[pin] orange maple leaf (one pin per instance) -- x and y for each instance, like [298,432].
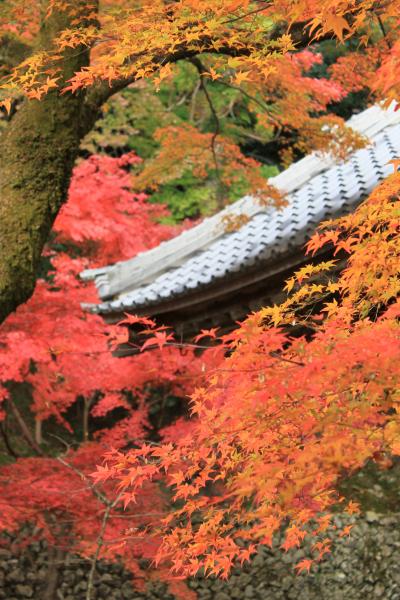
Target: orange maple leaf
[337,24]
[395,162]
[304,565]
[212,333]
[346,531]
[352,508]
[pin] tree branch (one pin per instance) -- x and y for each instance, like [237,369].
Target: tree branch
[252,12]
[100,544]
[6,440]
[202,72]
[24,428]
[103,90]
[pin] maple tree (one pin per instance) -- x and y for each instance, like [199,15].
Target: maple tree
[68,57]
[287,415]
[82,400]
[264,447]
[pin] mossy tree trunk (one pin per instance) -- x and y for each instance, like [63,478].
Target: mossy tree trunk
[37,154]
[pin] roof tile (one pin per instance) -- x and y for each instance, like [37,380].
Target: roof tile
[268,234]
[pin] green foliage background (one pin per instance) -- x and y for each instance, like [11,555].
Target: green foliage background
[131,119]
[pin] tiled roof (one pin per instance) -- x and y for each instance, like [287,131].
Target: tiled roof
[206,254]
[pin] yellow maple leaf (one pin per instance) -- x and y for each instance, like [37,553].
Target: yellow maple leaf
[240,77]
[331,307]
[275,314]
[290,284]
[337,24]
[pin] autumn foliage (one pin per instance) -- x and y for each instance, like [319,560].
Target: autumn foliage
[286,415]
[297,397]
[82,400]
[260,49]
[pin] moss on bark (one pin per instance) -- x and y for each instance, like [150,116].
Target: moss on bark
[37,153]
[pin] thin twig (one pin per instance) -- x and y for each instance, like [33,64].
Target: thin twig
[100,544]
[202,72]
[193,100]
[253,12]
[109,505]
[253,99]
[99,495]
[384,32]
[288,360]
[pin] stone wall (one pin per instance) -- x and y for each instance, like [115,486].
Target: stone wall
[365,566]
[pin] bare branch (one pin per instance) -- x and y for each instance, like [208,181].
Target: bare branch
[6,440]
[24,428]
[100,544]
[253,12]
[202,72]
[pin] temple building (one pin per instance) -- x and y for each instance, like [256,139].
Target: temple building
[208,276]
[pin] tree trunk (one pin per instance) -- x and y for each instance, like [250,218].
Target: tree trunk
[37,154]
[38,431]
